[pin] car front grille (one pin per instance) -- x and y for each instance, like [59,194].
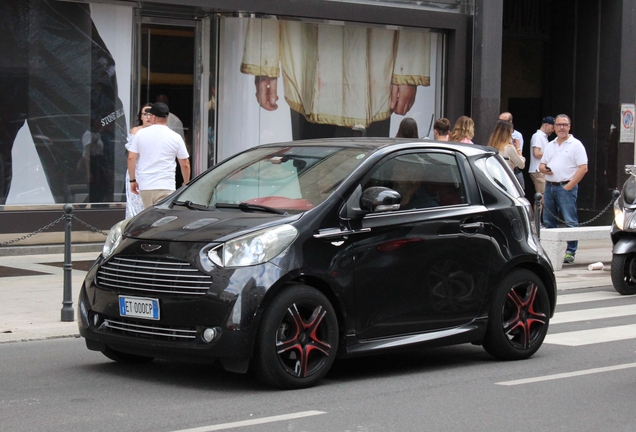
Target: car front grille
[152,276]
[149,330]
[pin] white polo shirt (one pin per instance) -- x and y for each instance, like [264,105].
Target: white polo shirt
[158,147]
[564,159]
[540,140]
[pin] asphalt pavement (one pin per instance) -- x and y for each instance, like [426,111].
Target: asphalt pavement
[32,286]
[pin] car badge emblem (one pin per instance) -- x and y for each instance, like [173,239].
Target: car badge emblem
[150,247]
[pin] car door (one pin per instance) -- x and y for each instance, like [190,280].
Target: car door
[425,266]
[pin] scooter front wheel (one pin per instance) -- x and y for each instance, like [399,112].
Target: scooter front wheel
[624,273]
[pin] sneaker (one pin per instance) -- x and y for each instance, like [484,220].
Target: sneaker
[569,258]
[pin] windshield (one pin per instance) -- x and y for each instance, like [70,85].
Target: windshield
[285,178]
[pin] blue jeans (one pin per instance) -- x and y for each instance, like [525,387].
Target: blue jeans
[555,200]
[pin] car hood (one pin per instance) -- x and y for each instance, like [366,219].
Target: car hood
[196,226]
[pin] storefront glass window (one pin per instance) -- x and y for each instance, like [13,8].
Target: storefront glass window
[64,98]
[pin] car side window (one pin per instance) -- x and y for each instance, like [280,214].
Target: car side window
[424,179]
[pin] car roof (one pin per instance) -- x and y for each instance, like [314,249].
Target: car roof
[376,143]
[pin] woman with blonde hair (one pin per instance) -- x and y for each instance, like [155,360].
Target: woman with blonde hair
[501,139]
[463,131]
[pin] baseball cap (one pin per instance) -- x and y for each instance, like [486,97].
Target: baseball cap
[160,109]
[548,120]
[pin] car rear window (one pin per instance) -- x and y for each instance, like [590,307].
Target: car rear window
[500,175]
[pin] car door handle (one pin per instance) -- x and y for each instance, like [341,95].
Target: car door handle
[332,233]
[472,226]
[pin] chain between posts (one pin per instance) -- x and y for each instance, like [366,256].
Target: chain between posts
[24,237]
[538,198]
[67,313]
[44,228]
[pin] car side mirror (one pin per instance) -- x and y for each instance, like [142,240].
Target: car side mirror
[380,199]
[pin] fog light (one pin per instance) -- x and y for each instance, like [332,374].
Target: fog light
[95,320]
[209,334]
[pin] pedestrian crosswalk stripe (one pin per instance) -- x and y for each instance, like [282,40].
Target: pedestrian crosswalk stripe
[592,336]
[593,314]
[568,374]
[564,299]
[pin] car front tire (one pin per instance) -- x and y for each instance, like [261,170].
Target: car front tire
[519,317]
[297,340]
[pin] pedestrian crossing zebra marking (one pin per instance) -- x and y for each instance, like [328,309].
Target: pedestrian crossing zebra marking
[592,336]
[593,314]
[564,299]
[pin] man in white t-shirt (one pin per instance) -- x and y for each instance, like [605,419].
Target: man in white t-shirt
[537,143]
[156,147]
[564,164]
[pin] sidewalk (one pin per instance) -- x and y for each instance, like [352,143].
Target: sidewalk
[32,288]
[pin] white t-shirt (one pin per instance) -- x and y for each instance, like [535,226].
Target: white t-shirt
[158,147]
[539,140]
[564,159]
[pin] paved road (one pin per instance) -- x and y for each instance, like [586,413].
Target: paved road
[576,382]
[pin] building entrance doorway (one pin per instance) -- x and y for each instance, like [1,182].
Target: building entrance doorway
[167,64]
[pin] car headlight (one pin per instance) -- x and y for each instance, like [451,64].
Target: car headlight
[619,215]
[255,248]
[114,238]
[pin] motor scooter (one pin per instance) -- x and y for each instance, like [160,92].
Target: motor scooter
[624,236]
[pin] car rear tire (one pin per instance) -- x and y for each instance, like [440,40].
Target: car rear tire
[624,273]
[297,339]
[121,357]
[519,317]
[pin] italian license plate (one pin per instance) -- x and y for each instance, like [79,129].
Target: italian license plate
[139,307]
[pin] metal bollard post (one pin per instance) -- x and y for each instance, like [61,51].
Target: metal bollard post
[537,213]
[67,302]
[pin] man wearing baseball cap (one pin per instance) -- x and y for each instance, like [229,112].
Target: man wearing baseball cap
[156,147]
[537,143]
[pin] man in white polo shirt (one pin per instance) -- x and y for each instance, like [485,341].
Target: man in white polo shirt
[157,147]
[564,164]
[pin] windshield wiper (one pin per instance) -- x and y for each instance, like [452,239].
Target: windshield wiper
[193,206]
[246,207]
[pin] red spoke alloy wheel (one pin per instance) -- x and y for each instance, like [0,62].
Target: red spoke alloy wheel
[519,317]
[522,323]
[297,339]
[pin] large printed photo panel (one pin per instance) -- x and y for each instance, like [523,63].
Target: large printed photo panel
[291,80]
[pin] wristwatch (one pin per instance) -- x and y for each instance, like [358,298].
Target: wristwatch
[133,180]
